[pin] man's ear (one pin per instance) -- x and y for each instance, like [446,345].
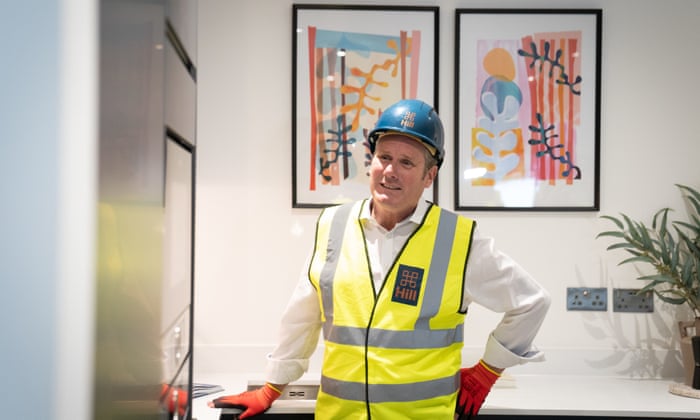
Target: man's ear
[430,176]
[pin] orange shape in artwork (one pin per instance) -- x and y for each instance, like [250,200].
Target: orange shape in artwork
[499,63]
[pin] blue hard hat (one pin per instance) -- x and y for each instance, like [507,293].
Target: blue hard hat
[416,119]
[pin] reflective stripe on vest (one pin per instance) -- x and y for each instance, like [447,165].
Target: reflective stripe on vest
[389,392]
[430,331]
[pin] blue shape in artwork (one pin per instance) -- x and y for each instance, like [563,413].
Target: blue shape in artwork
[355,42]
[501,89]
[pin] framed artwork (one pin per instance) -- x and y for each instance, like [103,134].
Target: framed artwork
[527,109]
[349,62]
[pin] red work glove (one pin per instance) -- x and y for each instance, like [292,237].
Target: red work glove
[253,402]
[168,396]
[476,382]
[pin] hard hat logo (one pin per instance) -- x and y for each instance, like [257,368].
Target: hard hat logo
[409,119]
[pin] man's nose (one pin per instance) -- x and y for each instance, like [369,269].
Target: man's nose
[389,169]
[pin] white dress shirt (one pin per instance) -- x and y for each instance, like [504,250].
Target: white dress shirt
[492,280]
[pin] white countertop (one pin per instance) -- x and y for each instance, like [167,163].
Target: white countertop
[522,395]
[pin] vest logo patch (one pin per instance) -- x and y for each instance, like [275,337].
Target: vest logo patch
[407,286]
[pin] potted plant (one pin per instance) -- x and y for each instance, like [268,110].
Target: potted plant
[672,249]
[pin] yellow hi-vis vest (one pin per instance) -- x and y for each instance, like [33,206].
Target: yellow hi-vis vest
[394,354]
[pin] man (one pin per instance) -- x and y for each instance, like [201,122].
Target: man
[389,283]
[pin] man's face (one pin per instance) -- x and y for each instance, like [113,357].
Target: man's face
[397,174]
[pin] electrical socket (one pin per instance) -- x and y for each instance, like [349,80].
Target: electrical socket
[629,300]
[586,299]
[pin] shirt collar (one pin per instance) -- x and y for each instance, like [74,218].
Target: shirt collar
[416,217]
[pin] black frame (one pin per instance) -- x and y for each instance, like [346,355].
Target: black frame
[493,20]
[301,113]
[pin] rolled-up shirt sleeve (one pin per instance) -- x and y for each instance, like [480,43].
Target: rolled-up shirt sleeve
[496,282]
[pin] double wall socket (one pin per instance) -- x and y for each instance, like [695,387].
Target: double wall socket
[629,300]
[586,299]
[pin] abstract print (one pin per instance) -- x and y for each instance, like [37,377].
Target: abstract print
[528,109]
[352,77]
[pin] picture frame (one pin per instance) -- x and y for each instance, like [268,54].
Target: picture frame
[527,109]
[349,62]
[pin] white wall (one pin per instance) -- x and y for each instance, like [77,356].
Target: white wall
[250,243]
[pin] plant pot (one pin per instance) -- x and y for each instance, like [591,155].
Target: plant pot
[689,362]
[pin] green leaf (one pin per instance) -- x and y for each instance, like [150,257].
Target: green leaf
[691,195]
[619,245]
[689,243]
[687,273]
[638,258]
[614,220]
[693,228]
[611,233]
[635,252]
[632,228]
[664,219]
[658,278]
[671,300]
[696,220]
[674,257]
[646,239]
[651,285]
